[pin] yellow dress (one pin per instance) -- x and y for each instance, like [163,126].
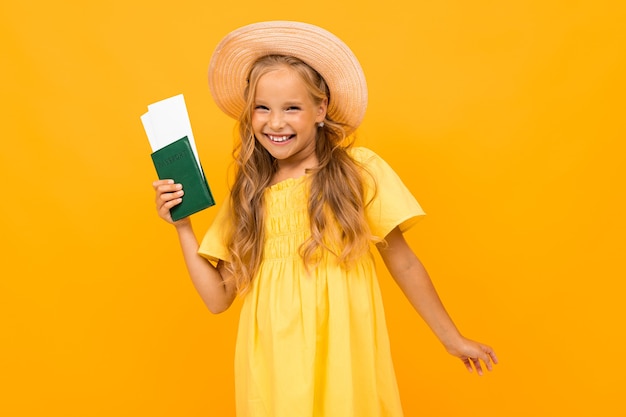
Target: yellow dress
[315,344]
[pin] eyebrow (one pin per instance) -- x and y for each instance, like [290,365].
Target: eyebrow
[286,103]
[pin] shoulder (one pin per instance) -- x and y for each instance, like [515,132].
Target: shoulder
[369,160]
[364,156]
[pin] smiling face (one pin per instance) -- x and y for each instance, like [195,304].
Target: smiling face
[285,119]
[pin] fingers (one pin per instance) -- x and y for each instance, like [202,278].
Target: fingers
[492,355]
[474,363]
[484,355]
[468,364]
[479,369]
[161,186]
[488,357]
[168,195]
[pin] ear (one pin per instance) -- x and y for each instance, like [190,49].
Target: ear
[321,111]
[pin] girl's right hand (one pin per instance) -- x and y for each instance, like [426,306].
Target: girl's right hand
[168,195]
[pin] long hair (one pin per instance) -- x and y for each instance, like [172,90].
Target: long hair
[336,204]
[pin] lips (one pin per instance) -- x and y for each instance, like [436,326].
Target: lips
[279,138]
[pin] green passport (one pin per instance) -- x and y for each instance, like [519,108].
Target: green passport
[176,161]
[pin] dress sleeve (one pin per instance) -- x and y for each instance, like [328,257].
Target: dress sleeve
[213,245]
[391,203]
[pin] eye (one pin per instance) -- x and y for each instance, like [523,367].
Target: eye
[293,108]
[261,108]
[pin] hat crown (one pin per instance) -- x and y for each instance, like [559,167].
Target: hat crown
[235,55]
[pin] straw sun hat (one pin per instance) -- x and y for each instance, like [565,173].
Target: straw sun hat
[327,54]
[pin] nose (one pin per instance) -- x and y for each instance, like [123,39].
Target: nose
[276,121]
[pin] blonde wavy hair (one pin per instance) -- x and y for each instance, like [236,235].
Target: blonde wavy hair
[336,204]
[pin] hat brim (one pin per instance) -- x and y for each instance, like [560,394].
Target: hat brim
[326,53]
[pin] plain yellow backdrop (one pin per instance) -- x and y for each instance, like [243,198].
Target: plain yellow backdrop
[505,118]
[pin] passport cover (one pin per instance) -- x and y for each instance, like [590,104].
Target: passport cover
[176,161]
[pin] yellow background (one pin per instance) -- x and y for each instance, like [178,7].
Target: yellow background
[505,118]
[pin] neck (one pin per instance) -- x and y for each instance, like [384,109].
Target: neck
[294,169]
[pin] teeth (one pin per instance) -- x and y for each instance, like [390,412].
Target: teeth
[278,138]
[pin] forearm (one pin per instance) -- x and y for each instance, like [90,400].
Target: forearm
[217,294]
[412,278]
[419,289]
[421,293]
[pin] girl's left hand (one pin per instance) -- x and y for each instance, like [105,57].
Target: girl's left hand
[473,353]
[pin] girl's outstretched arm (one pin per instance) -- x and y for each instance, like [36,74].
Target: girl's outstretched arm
[413,280]
[212,283]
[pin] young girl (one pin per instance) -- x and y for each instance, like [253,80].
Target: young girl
[294,238]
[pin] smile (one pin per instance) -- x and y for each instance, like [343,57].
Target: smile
[279,139]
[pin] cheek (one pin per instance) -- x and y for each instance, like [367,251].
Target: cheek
[304,121]
[256,121]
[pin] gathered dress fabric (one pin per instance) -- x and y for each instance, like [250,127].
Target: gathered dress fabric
[313,342]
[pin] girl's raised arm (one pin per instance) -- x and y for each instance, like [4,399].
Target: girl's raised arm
[413,280]
[211,283]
